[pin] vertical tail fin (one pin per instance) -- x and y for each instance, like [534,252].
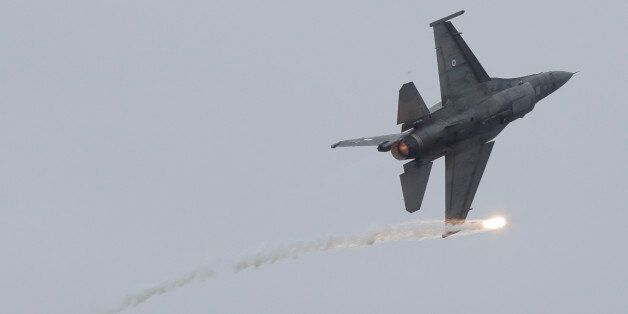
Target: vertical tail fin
[411,105]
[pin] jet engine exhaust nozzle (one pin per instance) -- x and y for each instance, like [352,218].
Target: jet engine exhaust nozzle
[400,150]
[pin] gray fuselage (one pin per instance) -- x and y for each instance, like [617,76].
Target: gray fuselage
[479,114]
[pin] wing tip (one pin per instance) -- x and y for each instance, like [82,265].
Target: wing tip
[447,18]
[449,233]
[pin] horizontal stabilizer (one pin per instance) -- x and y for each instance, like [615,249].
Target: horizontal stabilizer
[371,141]
[413,183]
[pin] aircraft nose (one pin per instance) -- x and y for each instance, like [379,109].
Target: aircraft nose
[561,77]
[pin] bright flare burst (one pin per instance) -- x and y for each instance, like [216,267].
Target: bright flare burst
[494,223]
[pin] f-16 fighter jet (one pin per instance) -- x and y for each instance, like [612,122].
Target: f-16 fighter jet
[474,109]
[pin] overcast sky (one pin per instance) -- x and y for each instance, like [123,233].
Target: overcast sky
[141,139]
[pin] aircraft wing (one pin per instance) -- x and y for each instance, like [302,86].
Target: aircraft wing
[463,171]
[458,68]
[371,141]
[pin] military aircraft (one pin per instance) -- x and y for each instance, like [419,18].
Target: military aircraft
[473,110]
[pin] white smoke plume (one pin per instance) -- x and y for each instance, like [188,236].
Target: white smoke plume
[416,230]
[131,300]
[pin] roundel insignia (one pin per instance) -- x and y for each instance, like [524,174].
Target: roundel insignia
[453,62]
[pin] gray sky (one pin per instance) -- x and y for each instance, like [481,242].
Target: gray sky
[142,139]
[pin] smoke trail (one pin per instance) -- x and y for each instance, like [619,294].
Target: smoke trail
[417,230]
[131,300]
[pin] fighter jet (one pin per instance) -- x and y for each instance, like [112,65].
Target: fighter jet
[473,110]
